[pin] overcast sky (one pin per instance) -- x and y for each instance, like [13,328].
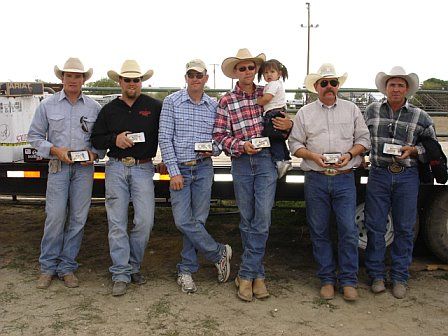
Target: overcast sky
[358,37]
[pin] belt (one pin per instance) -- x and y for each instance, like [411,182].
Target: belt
[395,168]
[193,162]
[130,161]
[334,172]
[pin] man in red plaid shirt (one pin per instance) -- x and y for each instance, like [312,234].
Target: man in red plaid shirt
[239,120]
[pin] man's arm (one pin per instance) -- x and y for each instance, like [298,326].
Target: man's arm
[102,137]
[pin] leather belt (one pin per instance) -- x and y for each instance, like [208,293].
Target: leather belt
[334,172]
[395,168]
[130,161]
[193,162]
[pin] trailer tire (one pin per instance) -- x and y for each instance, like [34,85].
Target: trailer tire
[436,227]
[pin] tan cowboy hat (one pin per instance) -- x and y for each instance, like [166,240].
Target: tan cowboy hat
[73,65]
[130,69]
[397,71]
[229,63]
[325,71]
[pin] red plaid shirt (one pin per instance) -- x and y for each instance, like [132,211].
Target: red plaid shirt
[238,119]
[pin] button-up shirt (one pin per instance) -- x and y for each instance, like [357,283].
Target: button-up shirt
[184,122]
[57,122]
[238,119]
[326,129]
[403,127]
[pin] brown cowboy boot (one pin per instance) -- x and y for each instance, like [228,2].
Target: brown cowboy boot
[259,289]
[244,289]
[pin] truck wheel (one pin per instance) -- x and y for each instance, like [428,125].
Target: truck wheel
[436,227]
[362,231]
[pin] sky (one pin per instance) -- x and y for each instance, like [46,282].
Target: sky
[358,37]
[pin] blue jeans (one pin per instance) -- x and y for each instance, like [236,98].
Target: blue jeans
[254,183]
[191,207]
[322,195]
[122,185]
[399,192]
[68,197]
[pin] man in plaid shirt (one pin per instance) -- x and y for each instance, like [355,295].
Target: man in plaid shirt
[239,119]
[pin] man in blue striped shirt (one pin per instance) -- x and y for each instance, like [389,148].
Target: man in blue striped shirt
[185,140]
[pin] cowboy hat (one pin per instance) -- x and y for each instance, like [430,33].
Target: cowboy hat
[325,71]
[130,69]
[397,71]
[73,65]
[228,65]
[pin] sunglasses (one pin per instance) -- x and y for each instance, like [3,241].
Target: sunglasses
[84,126]
[128,80]
[333,83]
[192,75]
[243,68]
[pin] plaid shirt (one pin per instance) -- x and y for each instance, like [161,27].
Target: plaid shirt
[403,127]
[238,119]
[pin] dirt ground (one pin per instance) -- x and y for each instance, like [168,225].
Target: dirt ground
[160,308]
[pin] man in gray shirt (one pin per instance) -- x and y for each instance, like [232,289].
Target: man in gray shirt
[329,135]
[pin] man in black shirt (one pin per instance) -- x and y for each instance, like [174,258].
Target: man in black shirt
[128,127]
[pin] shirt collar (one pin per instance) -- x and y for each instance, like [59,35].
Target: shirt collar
[237,90]
[63,96]
[405,105]
[326,106]
[185,97]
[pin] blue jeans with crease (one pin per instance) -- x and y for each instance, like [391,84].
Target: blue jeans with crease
[322,195]
[191,206]
[68,197]
[122,185]
[254,183]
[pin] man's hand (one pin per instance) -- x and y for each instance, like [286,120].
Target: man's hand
[206,154]
[343,161]
[319,159]
[177,182]
[61,153]
[92,157]
[282,124]
[123,141]
[161,168]
[407,151]
[250,149]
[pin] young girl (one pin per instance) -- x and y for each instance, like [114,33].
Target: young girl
[274,102]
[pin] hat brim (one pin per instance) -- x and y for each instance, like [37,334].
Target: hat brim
[412,80]
[60,73]
[115,76]
[228,65]
[312,78]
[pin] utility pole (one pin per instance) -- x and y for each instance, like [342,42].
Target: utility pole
[308,26]
[214,74]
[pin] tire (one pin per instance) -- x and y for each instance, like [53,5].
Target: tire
[436,226]
[362,231]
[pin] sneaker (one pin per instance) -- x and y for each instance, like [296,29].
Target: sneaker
[378,286]
[44,281]
[119,288]
[186,282]
[283,167]
[70,280]
[399,290]
[138,278]
[223,265]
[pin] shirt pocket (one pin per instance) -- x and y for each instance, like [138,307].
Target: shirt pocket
[56,123]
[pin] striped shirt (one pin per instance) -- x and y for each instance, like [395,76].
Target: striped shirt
[402,127]
[238,119]
[182,124]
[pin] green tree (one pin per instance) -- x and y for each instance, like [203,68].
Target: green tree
[435,84]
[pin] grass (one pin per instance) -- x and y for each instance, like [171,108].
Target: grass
[442,277]
[319,302]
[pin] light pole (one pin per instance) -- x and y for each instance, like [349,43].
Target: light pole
[214,74]
[308,26]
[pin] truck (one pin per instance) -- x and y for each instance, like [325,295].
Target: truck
[28,175]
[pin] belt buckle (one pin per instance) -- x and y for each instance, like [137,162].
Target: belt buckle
[395,168]
[191,163]
[128,161]
[331,172]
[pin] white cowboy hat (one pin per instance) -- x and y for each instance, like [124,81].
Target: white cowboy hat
[130,69]
[73,65]
[228,65]
[325,71]
[397,71]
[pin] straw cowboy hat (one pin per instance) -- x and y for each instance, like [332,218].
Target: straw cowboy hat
[130,69]
[228,65]
[397,71]
[73,65]
[325,71]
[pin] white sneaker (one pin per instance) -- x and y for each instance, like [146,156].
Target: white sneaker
[223,265]
[283,167]
[186,282]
